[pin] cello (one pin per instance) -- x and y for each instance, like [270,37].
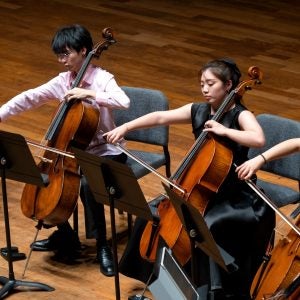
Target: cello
[74,124]
[200,175]
[279,275]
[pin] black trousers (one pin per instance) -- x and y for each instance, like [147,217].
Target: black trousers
[95,224]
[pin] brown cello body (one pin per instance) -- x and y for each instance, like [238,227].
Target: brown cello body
[282,271]
[55,203]
[200,175]
[205,176]
[74,124]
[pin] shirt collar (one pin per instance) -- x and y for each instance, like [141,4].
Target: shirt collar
[87,78]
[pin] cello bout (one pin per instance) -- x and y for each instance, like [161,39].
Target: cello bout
[55,203]
[170,229]
[27,205]
[282,271]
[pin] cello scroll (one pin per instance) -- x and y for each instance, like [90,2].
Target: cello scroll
[108,36]
[255,77]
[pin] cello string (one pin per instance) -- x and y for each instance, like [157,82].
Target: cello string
[249,182]
[201,139]
[65,105]
[255,75]
[280,227]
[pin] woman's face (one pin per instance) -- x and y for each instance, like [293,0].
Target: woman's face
[213,89]
[71,59]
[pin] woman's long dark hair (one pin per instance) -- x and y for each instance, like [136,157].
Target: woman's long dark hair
[224,69]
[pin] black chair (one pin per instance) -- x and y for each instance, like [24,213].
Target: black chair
[278,129]
[144,101]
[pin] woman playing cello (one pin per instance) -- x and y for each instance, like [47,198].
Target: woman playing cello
[71,45]
[278,276]
[239,220]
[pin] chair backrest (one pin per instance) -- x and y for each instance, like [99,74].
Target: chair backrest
[278,129]
[144,101]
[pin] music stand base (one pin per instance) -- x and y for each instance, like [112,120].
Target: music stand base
[138,297]
[9,285]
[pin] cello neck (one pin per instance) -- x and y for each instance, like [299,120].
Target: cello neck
[82,70]
[255,78]
[203,137]
[63,109]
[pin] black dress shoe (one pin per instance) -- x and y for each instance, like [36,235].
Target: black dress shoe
[105,259]
[58,241]
[52,243]
[44,245]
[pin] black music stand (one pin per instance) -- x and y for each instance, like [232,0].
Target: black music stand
[114,184]
[16,163]
[199,234]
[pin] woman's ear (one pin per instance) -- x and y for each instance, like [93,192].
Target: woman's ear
[228,85]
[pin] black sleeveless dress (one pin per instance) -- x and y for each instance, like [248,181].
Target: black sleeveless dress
[240,222]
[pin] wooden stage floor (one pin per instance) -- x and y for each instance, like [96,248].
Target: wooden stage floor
[161,44]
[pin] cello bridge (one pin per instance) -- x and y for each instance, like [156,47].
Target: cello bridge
[43,159]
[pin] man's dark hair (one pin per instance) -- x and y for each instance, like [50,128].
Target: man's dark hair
[74,37]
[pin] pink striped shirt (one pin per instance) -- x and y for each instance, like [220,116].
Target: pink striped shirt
[109,96]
